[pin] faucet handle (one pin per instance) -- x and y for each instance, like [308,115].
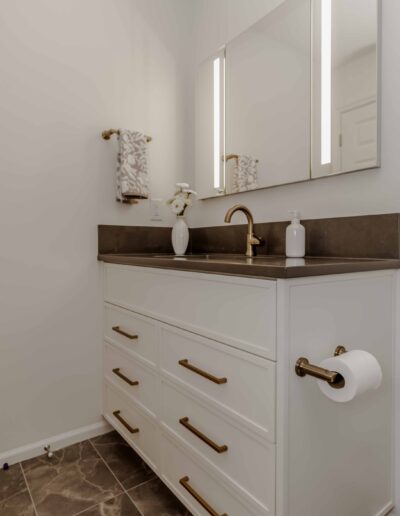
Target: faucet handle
[255,240]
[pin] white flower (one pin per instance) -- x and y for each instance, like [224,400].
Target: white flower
[178,205]
[182,185]
[190,192]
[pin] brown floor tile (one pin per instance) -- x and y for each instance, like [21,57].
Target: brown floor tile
[11,482]
[120,506]
[19,504]
[126,465]
[154,499]
[72,481]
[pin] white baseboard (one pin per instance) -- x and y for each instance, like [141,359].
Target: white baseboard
[57,441]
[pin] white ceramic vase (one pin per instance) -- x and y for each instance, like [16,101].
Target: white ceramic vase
[180,236]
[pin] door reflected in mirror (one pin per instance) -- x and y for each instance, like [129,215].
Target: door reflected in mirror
[345,86]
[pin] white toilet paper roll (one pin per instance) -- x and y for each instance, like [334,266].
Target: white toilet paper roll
[360,370]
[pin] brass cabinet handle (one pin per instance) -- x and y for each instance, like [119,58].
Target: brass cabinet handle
[185,483]
[204,374]
[117,329]
[117,371]
[219,449]
[117,415]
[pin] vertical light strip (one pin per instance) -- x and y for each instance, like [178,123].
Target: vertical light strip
[223,122]
[326,82]
[217,122]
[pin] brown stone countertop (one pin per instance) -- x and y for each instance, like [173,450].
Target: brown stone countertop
[267,267]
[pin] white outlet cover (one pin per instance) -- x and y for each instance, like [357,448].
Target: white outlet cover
[155,209]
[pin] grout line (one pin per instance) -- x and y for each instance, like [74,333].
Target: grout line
[29,489]
[134,487]
[124,491]
[108,467]
[143,483]
[94,506]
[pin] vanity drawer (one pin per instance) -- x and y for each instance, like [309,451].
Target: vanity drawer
[138,382]
[138,429]
[238,311]
[247,460]
[134,332]
[241,383]
[191,480]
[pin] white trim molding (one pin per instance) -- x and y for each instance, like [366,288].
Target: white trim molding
[56,442]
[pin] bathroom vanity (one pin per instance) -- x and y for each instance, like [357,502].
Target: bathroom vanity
[200,352]
[199,377]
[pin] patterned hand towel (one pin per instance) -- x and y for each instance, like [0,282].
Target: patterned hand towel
[132,174]
[245,174]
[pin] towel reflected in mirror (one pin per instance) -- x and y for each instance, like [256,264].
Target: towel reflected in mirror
[244,174]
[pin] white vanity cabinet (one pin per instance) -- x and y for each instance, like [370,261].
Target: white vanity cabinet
[199,377]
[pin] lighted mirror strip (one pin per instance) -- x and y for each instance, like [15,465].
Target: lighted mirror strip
[217,121]
[219,129]
[326,82]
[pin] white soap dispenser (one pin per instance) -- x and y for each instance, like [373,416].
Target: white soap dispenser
[295,237]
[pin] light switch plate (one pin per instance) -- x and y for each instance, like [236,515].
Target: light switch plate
[155,209]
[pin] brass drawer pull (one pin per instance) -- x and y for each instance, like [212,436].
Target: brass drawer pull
[185,483]
[185,363]
[117,329]
[219,449]
[117,415]
[117,371]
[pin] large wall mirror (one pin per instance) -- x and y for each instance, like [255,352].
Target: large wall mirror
[294,97]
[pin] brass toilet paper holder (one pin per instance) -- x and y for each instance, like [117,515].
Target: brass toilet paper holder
[335,380]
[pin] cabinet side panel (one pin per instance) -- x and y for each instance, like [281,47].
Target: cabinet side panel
[340,454]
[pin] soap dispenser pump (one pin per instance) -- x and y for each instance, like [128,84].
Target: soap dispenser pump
[295,237]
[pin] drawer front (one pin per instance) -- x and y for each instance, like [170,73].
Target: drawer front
[248,461]
[212,305]
[192,482]
[138,429]
[137,381]
[134,332]
[242,383]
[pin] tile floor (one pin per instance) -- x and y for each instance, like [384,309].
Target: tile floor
[99,477]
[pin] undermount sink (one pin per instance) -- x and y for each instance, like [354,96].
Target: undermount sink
[186,256]
[236,258]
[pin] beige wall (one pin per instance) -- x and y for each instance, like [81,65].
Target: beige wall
[70,69]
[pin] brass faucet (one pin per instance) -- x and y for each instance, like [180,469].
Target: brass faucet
[252,240]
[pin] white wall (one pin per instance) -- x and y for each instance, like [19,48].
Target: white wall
[219,21]
[376,191]
[69,70]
